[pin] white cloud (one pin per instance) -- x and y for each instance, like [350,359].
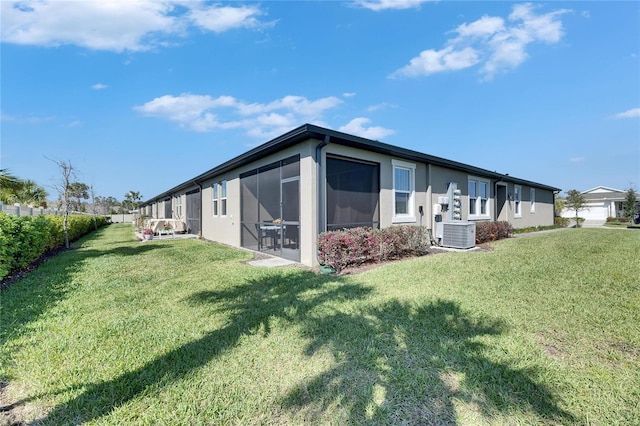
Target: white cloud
[483,27]
[491,42]
[577,159]
[116,25]
[359,127]
[378,5]
[224,18]
[31,119]
[99,86]
[631,113]
[434,61]
[381,105]
[203,113]
[301,105]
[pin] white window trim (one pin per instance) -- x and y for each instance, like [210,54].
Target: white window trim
[179,206]
[215,205]
[517,204]
[478,216]
[410,215]
[532,206]
[223,199]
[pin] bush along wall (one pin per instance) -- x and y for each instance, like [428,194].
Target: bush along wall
[24,239]
[356,246]
[492,231]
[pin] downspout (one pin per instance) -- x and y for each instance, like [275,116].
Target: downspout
[320,200]
[429,206]
[495,199]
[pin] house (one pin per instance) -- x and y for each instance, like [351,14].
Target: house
[601,202]
[280,195]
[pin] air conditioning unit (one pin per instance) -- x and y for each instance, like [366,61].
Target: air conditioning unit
[460,235]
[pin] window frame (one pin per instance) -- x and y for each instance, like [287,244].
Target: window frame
[179,206]
[476,203]
[223,198]
[214,197]
[517,201]
[532,205]
[409,216]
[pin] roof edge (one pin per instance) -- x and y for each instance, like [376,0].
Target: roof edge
[311,131]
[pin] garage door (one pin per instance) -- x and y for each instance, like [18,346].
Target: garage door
[595,212]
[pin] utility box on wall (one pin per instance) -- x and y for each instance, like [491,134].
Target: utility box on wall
[456,234]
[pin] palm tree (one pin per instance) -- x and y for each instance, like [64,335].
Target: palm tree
[8,184]
[30,193]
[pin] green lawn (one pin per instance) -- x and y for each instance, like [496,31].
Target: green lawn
[542,330]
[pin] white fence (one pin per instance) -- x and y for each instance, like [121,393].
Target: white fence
[18,210]
[123,218]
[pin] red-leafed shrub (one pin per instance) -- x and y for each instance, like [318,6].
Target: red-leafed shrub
[353,247]
[492,231]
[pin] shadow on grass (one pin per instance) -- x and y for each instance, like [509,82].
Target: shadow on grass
[252,306]
[403,363]
[395,363]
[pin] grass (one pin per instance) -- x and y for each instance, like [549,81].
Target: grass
[541,330]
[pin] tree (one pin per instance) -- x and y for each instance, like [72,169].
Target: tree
[559,206]
[630,204]
[575,201]
[8,184]
[63,187]
[132,200]
[94,209]
[30,193]
[79,191]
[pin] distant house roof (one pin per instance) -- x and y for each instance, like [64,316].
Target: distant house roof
[601,190]
[310,131]
[603,193]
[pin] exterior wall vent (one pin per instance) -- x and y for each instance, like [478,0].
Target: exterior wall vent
[461,235]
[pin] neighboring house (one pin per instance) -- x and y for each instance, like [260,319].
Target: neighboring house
[602,202]
[279,196]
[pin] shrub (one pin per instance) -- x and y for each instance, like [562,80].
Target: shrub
[618,220]
[353,247]
[561,221]
[492,231]
[24,239]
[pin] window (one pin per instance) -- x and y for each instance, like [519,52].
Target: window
[223,198]
[215,198]
[478,198]
[517,200]
[533,200]
[403,191]
[179,206]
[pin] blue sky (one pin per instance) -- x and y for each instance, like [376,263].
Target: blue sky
[145,95]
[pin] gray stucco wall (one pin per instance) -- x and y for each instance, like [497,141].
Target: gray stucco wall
[226,229]
[430,183]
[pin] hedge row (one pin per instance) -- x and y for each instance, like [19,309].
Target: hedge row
[23,239]
[353,247]
[492,231]
[618,220]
